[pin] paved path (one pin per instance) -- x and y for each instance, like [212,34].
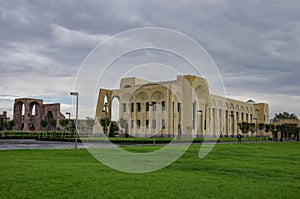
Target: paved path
[14,144]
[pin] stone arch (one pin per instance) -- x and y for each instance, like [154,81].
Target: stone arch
[157,96]
[23,110]
[35,108]
[104,110]
[201,92]
[35,111]
[19,111]
[115,110]
[231,107]
[178,97]
[242,108]
[213,103]
[125,98]
[237,108]
[141,97]
[23,113]
[219,104]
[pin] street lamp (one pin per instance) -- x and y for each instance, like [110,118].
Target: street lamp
[76,121]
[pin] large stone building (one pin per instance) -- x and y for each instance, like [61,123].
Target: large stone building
[29,112]
[180,107]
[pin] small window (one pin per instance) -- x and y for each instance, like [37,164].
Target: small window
[163,105]
[132,124]
[138,123]
[173,106]
[147,124]
[154,124]
[132,107]
[138,107]
[124,108]
[179,107]
[153,106]
[147,106]
[163,124]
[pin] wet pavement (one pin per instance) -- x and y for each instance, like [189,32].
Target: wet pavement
[15,144]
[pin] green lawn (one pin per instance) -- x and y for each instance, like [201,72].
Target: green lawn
[269,170]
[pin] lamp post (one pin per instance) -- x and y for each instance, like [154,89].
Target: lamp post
[76,121]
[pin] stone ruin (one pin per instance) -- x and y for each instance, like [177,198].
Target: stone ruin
[29,112]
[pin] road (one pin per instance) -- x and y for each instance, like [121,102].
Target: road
[14,144]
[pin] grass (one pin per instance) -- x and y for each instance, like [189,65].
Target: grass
[269,170]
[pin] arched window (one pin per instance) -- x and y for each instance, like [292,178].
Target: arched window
[115,109]
[23,109]
[33,110]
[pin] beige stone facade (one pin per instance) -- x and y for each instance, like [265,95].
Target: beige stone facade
[180,107]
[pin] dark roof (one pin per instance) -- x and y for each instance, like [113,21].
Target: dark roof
[251,101]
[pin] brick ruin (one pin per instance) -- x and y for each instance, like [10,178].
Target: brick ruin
[29,112]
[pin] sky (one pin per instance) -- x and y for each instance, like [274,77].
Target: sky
[255,44]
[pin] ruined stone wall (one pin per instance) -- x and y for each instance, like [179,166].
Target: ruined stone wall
[29,112]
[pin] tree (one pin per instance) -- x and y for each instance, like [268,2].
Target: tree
[261,126]
[64,122]
[279,129]
[284,115]
[288,130]
[244,127]
[124,124]
[53,123]
[113,128]
[272,129]
[297,133]
[44,123]
[3,124]
[267,128]
[11,124]
[90,122]
[105,123]
[252,129]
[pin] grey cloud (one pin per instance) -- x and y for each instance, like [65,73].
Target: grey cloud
[256,44]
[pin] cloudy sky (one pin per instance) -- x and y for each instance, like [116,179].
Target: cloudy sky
[255,44]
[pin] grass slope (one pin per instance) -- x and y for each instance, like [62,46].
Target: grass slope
[269,170]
